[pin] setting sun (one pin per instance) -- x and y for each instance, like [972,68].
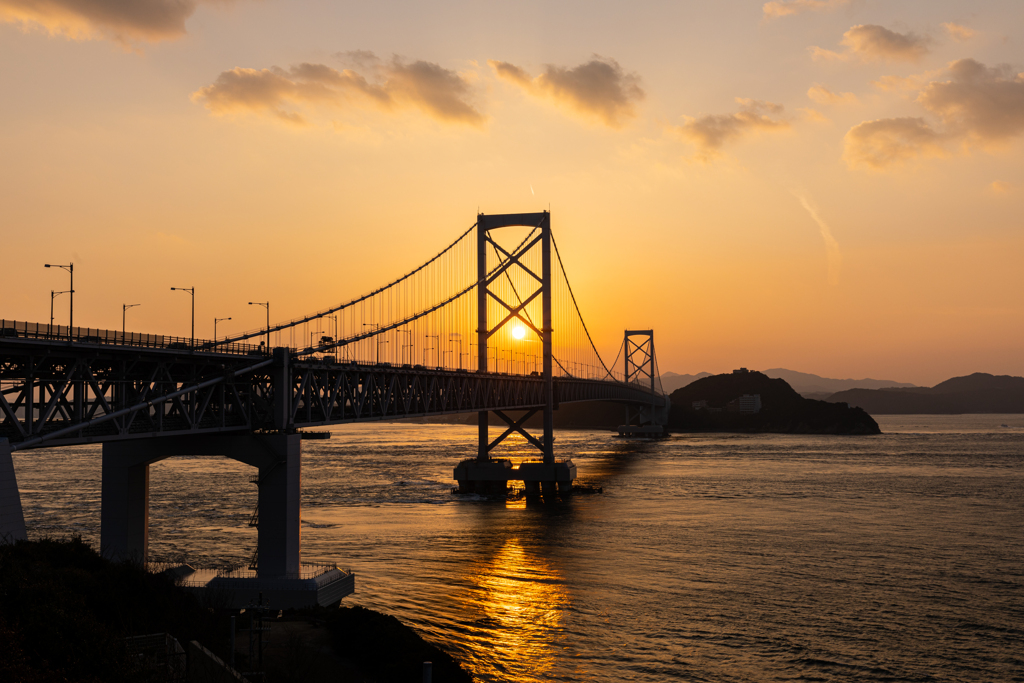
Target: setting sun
[519,332]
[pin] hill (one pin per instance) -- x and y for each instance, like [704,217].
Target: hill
[805,384]
[782,410]
[977,393]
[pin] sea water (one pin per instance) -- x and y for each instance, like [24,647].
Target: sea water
[707,557]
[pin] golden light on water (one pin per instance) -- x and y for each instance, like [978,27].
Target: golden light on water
[523,598]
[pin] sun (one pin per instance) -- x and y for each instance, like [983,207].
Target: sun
[519,332]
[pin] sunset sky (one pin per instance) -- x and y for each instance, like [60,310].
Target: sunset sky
[830,186]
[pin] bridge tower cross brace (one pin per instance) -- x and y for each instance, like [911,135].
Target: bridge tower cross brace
[485,224]
[642,370]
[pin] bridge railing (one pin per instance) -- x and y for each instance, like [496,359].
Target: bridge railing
[91,335]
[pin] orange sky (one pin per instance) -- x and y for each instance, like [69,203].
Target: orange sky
[833,187]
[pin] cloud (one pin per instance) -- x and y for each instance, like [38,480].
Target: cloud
[872,43]
[832,253]
[598,89]
[1000,187]
[709,133]
[884,142]
[960,34]
[982,103]
[976,105]
[813,115]
[823,95]
[786,8]
[122,21]
[286,95]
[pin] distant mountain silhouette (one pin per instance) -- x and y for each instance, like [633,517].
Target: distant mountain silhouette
[977,393]
[670,381]
[783,410]
[806,383]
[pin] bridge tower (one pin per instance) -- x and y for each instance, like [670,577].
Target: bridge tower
[639,368]
[487,475]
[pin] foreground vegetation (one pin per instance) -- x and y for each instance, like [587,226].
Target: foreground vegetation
[65,613]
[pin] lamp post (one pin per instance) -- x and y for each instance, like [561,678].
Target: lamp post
[377,327]
[124,309]
[192,292]
[313,334]
[459,335]
[53,295]
[215,321]
[266,305]
[71,316]
[438,344]
[409,346]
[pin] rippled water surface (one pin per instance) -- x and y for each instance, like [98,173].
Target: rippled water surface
[707,558]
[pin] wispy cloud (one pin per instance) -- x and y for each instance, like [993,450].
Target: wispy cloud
[823,95]
[786,8]
[976,105]
[832,254]
[599,89]
[883,143]
[711,132]
[123,21]
[960,34]
[291,95]
[872,43]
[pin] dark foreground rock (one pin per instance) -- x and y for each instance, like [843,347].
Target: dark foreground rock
[782,410]
[65,613]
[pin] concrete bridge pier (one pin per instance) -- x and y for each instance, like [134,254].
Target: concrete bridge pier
[124,515]
[12,519]
[124,506]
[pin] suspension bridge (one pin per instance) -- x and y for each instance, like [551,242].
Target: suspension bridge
[489,325]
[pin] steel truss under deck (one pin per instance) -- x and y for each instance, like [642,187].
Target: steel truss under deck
[56,393]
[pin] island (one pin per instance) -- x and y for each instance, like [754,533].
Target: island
[751,402]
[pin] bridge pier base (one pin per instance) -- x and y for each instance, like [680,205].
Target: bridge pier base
[491,477]
[280,521]
[124,502]
[12,518]
[124,514]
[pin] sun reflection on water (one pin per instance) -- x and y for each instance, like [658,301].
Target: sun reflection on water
[523,600]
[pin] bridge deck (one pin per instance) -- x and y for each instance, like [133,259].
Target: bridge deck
[62,393]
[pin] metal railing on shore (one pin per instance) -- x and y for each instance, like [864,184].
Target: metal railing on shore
[308,570]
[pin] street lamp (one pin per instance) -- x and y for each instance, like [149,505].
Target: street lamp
[409,346]
[459,335]
[266,305]
[435,348]
[71,269]
[377,327]
[53,295]
[191,291]
[124,309]
[215,321]
[313,334]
